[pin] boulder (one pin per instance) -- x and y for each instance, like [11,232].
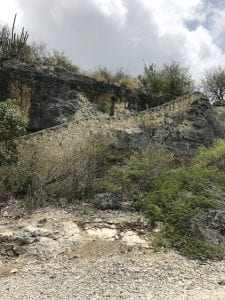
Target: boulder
[211,225]
[104,201]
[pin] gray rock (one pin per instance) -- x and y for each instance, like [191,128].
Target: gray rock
[211,225]
[105,201]
[3,201]
[50,95]
[58,108]
[179,127]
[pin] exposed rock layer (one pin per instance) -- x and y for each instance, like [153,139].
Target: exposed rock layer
[51,96]
[73,102]
[181,126]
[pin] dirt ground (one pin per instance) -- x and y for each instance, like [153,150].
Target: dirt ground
[86,254]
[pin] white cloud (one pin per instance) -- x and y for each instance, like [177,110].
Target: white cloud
[8,10]
[112,8]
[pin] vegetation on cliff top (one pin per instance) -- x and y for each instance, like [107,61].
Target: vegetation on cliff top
[171,79]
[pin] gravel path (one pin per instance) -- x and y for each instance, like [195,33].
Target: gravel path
[115,275]
[64,266]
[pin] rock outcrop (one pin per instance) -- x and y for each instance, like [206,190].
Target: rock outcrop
[67,106]
[53,95]
[211,226]
[181,126]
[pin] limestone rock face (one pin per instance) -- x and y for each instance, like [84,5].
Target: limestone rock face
[54,96]
[58,109]
[51,95]
[181,126]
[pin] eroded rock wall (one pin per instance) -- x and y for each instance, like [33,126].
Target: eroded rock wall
[51,96]
[181,126]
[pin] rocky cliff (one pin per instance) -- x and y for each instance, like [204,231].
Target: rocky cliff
[68,107]
[53,95]
[181,125]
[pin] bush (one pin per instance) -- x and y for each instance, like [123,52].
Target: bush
[177,196]
[38,55]
[12,125]
[136,175]
[173,193]
[13,45]
[213,156]
[153,79]
[42,177]
[123,79]
[171,79]
[59,59]
[120,78]
[102,74]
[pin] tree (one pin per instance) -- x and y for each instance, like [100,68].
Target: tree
[12,125]
[152,78]
[171,79]
[213,83]
[177,80]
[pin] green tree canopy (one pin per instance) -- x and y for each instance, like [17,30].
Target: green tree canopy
[171,79]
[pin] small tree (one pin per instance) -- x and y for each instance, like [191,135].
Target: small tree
[177,80]
[213,83]
[12,125]
[170,79]
[152,78]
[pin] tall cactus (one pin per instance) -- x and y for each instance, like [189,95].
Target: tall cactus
[12,44]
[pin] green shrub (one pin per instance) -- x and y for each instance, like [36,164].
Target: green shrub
[59,59]
[12,125]
[171,79]
[214,156]
[136,175]
[13,45]
[38,55]
[172,193]
[178,195]
[153,79]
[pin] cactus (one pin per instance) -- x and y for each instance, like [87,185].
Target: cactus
[12,44]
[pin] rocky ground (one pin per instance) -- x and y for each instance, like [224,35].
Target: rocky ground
[80,253]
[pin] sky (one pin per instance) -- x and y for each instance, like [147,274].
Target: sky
[126,33]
